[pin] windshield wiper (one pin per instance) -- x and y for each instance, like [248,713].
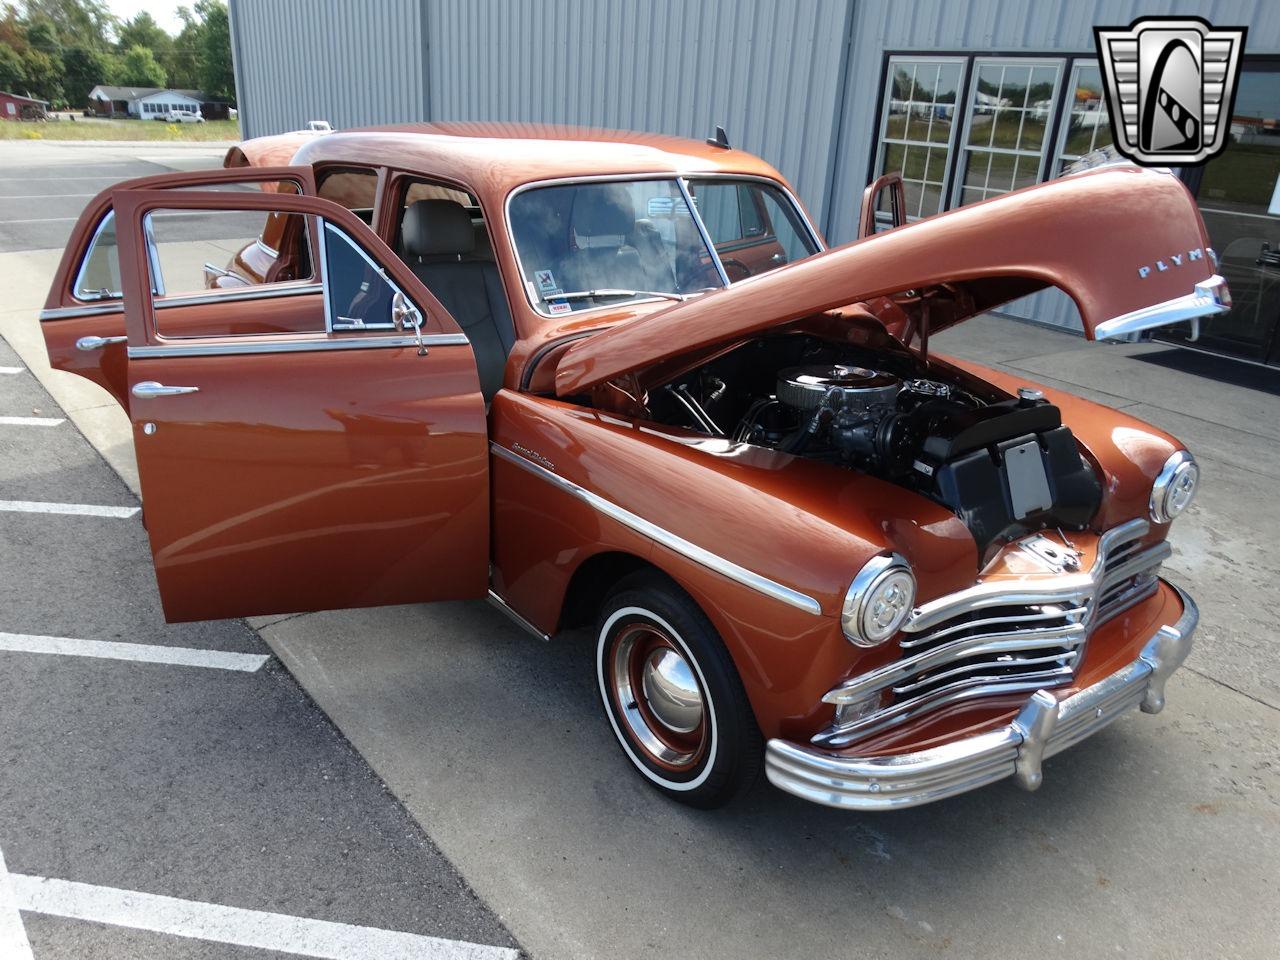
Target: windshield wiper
[593,294]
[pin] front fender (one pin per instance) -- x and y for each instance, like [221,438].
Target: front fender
[802,526]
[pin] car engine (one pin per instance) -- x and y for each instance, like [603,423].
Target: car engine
[1005,465]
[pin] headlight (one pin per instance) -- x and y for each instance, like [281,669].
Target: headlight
[1174,487]
[879,601]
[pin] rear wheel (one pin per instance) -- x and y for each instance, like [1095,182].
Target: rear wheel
[672,694]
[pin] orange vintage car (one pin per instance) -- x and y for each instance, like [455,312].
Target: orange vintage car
[618,380]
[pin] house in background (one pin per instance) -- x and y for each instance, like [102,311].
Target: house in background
[150,103]
[14,106]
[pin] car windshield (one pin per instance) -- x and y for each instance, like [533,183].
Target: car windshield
[587,245]
[608,243]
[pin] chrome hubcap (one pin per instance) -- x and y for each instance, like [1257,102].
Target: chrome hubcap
[658,697]
[671,690]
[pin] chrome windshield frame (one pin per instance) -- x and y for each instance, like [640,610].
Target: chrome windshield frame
[682,179]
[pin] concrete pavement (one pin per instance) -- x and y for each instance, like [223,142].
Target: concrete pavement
[1157,838]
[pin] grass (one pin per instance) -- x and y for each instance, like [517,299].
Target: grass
[89,129]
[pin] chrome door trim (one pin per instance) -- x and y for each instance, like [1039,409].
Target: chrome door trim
[259,291]
[294,346]
[665,537]
[263,291]
[501,604]
[89,310]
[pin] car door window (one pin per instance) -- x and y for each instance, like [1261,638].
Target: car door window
[754,227]
[358,294]
[355,188]
[233,256]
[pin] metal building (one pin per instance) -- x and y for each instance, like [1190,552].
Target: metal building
[832,92]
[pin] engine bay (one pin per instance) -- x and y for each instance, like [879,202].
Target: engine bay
[1005,465]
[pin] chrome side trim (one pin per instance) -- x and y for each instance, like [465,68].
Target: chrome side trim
[88,310]
[1041,729]
[231,294]
[294,346]
[260,291]
[1209,298]
[665,537]
[515,618]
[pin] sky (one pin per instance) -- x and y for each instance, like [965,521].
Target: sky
[164,12]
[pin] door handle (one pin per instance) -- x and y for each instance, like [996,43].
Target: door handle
[97,343]
[149,388]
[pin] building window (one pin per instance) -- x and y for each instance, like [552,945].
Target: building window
[1010,112]
[1088,125]
[917,127]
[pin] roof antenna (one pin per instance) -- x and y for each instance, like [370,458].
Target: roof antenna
[721,139]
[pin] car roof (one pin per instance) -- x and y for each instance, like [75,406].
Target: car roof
[495,157]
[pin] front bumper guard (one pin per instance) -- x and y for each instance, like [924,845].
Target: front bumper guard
[1043,727]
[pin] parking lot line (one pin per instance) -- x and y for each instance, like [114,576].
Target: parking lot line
[140,652]
[237,926]
[31,421]
[11,369]
[13,936]
[72,509]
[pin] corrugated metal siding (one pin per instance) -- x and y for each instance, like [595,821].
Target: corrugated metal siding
[351,62]
[768,71]
[1009,26]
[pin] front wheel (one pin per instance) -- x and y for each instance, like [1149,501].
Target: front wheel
[672,694]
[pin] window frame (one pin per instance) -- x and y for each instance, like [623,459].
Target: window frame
[1047,144]
[1064,122]
[878,149]
[1068,60]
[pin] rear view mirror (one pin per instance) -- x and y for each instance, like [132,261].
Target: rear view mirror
[897,205]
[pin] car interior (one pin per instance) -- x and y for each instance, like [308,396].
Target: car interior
[446,244]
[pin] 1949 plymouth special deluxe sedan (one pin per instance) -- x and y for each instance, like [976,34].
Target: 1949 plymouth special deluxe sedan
[617,379]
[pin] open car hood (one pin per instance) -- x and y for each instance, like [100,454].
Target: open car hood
[1126,244]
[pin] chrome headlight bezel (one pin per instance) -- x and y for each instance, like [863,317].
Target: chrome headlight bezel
[1170,495]
[876,581]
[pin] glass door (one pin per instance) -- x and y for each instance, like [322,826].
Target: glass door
[1239,197]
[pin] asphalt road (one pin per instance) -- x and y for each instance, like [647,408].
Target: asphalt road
[216,786]
[1157,838]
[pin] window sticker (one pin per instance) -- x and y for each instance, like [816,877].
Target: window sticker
[546,281]
[661,207]
[558,308]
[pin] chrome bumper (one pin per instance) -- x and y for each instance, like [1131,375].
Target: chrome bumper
[1042,728]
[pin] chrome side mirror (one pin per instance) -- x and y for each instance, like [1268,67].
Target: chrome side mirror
[405,315]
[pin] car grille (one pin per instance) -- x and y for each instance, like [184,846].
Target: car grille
[994,639]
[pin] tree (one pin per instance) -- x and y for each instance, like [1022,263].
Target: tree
[13,71]
[139,68]
[217,76]
[44,75]
[83,68]
[77,22]
[143,31]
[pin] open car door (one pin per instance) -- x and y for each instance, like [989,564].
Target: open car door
[310,443]
[83,317]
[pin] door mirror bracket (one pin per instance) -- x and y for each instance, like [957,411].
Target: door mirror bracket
[405,315]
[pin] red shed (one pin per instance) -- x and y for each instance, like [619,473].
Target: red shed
[14,106]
